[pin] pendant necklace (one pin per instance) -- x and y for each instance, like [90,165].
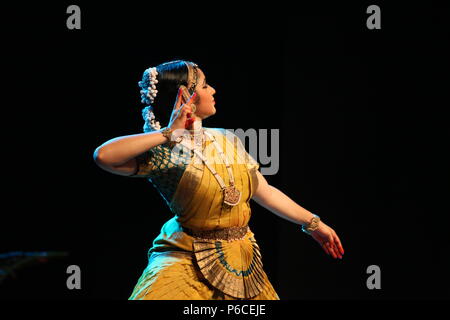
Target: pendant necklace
[231,195]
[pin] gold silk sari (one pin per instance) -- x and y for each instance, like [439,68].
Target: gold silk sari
[185,267]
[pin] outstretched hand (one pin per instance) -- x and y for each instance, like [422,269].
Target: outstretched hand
[328,240]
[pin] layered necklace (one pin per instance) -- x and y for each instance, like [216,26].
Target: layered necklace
[231,195]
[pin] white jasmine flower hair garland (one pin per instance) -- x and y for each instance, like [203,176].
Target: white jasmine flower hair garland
[148,97]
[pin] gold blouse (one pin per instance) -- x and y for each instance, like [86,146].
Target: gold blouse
[191,190]
[195,198]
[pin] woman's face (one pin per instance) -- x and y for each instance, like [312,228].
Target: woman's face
[205,103]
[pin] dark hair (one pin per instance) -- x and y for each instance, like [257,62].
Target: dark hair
[171,75]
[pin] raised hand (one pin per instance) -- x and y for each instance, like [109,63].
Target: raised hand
[182,111]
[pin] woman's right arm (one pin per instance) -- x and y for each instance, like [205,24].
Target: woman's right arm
[118,155]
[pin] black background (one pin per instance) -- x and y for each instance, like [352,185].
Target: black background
[364,139]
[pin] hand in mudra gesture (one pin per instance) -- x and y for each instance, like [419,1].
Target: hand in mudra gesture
[328,240]
[181,117]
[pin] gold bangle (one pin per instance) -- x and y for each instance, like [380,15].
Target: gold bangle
[167,132]
[313,225]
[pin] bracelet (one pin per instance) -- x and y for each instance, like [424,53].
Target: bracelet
[313,225]
[167,132]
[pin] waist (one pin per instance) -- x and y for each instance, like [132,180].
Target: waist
[230,233]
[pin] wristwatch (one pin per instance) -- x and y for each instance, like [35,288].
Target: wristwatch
[313,225]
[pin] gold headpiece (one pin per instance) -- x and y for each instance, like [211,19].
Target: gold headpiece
[192,76]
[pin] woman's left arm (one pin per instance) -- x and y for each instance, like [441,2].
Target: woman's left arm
[280,204]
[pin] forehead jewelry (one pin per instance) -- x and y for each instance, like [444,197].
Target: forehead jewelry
[194,83]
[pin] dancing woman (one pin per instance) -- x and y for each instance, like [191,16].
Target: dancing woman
[206,250]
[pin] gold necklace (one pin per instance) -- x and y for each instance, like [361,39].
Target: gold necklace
[231,195]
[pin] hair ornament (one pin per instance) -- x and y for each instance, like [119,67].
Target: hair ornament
[150,120]
[148,95]
[151,90]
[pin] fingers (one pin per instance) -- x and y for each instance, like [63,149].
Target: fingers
[178,100]
[181,109]
[191,119]
[179,114]
[184,112]
[338,243]
[330,243]
[192,98]
[325,244]
[335,248]
[332,247]
[183,94]
[324,247]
